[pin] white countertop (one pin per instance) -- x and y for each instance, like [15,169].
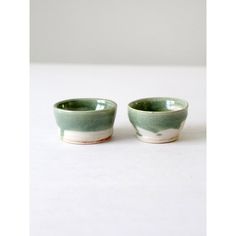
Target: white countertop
[123,187]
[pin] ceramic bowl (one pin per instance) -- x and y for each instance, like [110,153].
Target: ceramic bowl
[85,120]
[158,120]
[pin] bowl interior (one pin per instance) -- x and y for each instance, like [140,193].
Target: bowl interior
[86,104]
[159,104]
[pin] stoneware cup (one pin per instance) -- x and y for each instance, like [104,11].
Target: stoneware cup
[158,120]
[85,120]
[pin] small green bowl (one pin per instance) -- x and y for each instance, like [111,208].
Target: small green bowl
[85,120]
[158,120]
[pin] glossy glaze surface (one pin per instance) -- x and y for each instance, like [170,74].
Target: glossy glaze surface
[85,118]
[158,120]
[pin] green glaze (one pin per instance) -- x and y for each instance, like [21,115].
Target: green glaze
[85,114]
[157,114]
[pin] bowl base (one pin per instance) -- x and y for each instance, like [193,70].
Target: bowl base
[156,140]
[86,137]
[86,142]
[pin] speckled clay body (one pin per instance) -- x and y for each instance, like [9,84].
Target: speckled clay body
[158,120]
[85,120]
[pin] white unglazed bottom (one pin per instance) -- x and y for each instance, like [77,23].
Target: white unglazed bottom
[90,137]
[165,136]
[156,140]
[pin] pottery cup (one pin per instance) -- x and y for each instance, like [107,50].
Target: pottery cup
[85,120]
[158,120]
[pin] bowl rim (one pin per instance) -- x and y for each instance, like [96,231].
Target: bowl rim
[114,105]
[163,98]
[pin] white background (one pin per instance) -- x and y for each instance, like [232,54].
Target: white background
[14,161]
[122,187]
[118,31]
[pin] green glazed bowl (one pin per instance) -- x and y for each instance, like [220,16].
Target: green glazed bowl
[158,120]
[85,120]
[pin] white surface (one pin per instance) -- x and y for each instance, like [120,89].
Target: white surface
[119,31]
[123,187]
